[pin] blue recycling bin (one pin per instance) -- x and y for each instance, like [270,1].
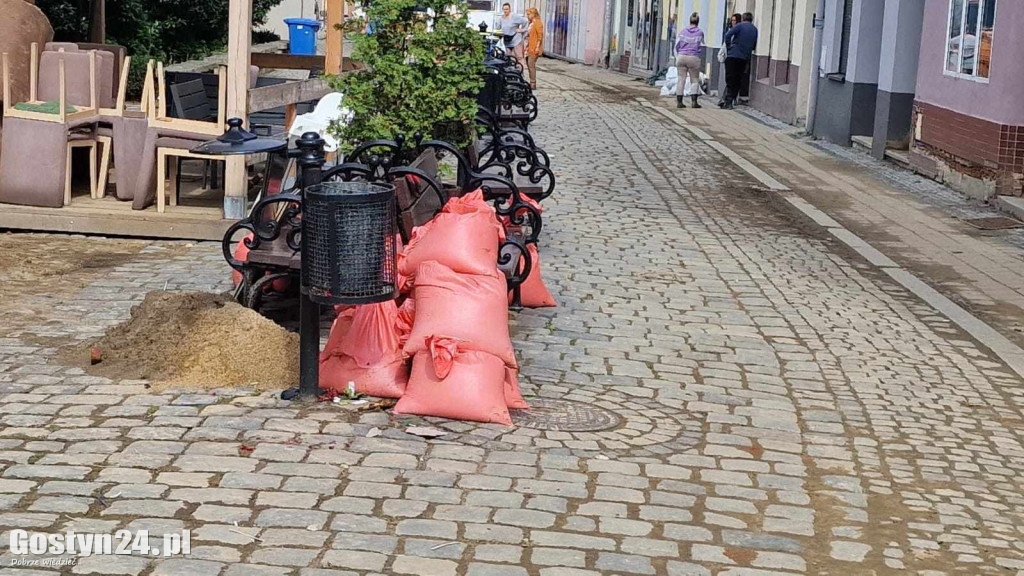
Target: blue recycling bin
[302,35]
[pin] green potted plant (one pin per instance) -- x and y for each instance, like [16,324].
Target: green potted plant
[423,66]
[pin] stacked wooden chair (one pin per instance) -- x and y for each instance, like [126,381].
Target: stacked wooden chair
[69,91]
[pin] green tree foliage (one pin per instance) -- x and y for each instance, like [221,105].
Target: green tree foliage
[418,78]
[165,30]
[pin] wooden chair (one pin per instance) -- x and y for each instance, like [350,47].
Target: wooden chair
[104,140]
[67,114]
[189,100]
[155,102]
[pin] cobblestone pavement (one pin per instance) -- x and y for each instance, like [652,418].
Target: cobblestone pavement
[916,223]
[745,398]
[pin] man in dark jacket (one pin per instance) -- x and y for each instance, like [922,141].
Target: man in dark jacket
[741,40]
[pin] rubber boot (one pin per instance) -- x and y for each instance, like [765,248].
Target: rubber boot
[679,102]
[694,103]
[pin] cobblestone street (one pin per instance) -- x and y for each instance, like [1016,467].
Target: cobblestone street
[748,397]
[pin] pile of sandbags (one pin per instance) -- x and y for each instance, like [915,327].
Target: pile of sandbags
[450,322]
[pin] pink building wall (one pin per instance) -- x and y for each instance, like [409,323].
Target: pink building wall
[1001,100]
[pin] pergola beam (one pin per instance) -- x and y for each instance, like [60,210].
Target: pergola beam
[98,26]
[335,37]
[239,44]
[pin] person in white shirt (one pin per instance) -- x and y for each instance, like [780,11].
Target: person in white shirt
[512,26]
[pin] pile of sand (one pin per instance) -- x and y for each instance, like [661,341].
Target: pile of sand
[195,340]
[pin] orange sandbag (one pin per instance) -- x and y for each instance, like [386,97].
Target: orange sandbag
[385,379]
[533,293]
[364,347]
[339,329]
[472,389]
[464,236]
[242,254]
[472,308]
[513,397]
[373,335]
[468,203]
[405,319]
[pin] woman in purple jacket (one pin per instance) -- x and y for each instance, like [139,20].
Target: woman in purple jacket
[688,48]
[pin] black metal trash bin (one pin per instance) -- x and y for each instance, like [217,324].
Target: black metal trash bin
[349,252]
[490,93]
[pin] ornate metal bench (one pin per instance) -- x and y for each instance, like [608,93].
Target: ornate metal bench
[275,222]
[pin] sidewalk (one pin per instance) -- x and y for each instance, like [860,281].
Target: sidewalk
[982,271]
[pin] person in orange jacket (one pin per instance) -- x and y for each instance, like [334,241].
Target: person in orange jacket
[534,44]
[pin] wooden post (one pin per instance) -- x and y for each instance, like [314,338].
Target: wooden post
[98,27]
[335,37]
[222,96]
[239,39]
[289,116]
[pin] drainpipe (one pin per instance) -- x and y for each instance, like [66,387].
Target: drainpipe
[812,101]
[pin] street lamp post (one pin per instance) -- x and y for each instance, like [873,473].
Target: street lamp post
[309,151]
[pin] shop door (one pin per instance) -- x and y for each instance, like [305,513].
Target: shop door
[645,34]
[577,30]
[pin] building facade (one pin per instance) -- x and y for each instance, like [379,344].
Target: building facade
[575,29]
[968,112]
[641,37]
[782,61]
[937,79]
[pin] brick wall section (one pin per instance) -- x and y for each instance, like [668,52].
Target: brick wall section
[996,147]
[1011,148]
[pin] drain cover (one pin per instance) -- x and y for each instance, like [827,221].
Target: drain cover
[995,223]
[565,416]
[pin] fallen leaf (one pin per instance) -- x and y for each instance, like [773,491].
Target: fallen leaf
[373,433]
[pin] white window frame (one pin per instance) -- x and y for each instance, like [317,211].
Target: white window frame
[977,49]
[833,38]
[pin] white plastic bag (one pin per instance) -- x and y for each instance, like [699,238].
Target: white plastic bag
[328,109]
[671,80]
[695,89]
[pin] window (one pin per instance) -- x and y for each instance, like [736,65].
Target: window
[969,42]
[766,40]
[844,46]
[792,39]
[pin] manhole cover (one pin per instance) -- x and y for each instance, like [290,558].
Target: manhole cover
[995,223]
[564,415]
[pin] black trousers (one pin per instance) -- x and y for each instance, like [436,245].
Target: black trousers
[734,68]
